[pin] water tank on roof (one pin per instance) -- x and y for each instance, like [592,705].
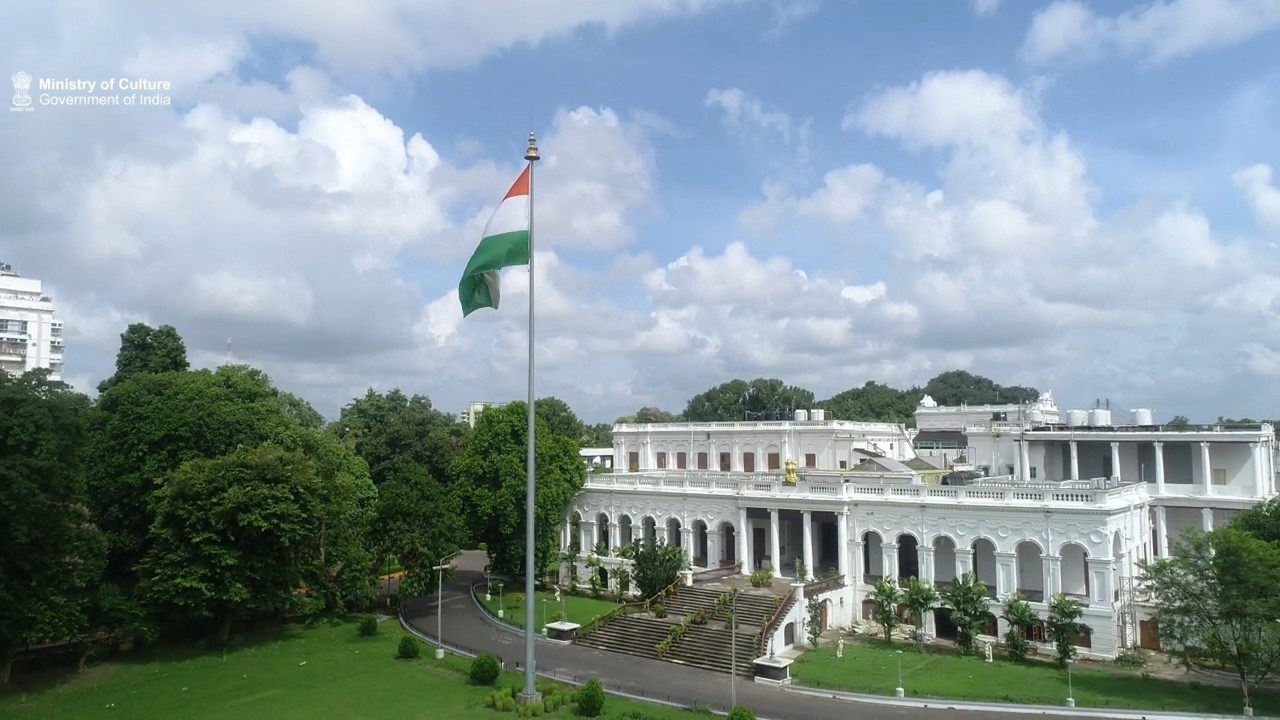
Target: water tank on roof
[1077,418]
[1035,416]
[1099,417]
[1143,416]
[802,415]
[818,414]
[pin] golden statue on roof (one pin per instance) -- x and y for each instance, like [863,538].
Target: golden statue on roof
[791,478]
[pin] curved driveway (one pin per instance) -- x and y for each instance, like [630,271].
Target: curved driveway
[465,627]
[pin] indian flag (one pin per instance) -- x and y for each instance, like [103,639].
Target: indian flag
[505,244]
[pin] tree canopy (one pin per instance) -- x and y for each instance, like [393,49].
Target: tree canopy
[490,477]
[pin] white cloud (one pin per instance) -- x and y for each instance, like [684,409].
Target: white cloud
[1156,32]
[748,117]
[1007,265]
[985,7]
[1263,196]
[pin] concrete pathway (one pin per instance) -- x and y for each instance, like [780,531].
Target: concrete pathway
[466,629]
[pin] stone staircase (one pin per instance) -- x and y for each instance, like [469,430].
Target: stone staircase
[706,646]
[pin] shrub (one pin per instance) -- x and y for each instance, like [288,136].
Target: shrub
[660,610]
[368,626]
[591,699]
[409,648]
[741,713]
[484,669]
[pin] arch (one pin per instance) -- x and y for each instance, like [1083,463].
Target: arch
[944,559]
[602,532]
[649,530]
[673,529]
[1075,570]
[824,617]
[908,556]
[701,552]
[789,634]
[728,543]
[575,532]
[984,560]
[1030,564]
[626,531]
[1119,563]
[872,555]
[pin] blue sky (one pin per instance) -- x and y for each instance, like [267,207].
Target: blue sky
[1068,195]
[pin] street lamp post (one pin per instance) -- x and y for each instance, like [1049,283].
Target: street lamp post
[733,651]
[898,691]
[544,616]
[1071,695]
[444,563]
[501,585]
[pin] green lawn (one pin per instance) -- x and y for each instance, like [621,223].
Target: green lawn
[873,668]
[319,672]
[577,609]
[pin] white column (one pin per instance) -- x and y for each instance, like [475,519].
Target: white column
[1026,460]
[1075,460]
[614,537]
[1115,460]
[842,542]
[735,458]
[807,519]
[1259,480]
[964,561]
[744,542]
[1159,470]
[587,536]
[1206,468]
[1206,519]
[927,574]
[889,559]
[1052,576]
[775,545]
[566,534]
[1006,574]
[686,543]
[1100,592]
[1162,531]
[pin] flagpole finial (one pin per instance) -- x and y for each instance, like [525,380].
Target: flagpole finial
[532,153]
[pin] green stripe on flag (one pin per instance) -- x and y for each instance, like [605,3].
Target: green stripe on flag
[494,253]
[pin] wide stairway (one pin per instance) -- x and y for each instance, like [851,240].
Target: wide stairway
[709,646]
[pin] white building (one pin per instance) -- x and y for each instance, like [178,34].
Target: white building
[30,332]
[1057,510]
[472,413]
[597,459]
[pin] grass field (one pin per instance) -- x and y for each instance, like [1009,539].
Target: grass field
[577,609]
[318,672]
[873,668]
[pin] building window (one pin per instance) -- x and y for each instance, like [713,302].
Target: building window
[748,462]
[1033,472]
[725,462]
[662,461]
[1009,470]
[633,461]
[702,461]
[811,460]
[844,464]
[682,460]
[1219,476]
[775,461]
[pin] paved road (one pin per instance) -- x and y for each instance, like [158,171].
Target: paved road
[465,626]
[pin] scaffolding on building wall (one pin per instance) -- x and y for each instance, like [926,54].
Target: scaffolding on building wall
[1127,615]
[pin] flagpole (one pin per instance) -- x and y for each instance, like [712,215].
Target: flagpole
[530,693]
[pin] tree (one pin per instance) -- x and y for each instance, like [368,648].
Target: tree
[655,567]
[885,597]
[919,597]
[50,556]
[1216,603]
[391,428]
[227,535]
[873,402]
[1261,521]
[959,387]
[598,435]
[146,426]
[339,558]
[418,522]
[734,400]
[1018,613]
[559,418]
[649,415]
[490,478]
[1063,626]
[144,349]
[967,598]
[1178,422]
